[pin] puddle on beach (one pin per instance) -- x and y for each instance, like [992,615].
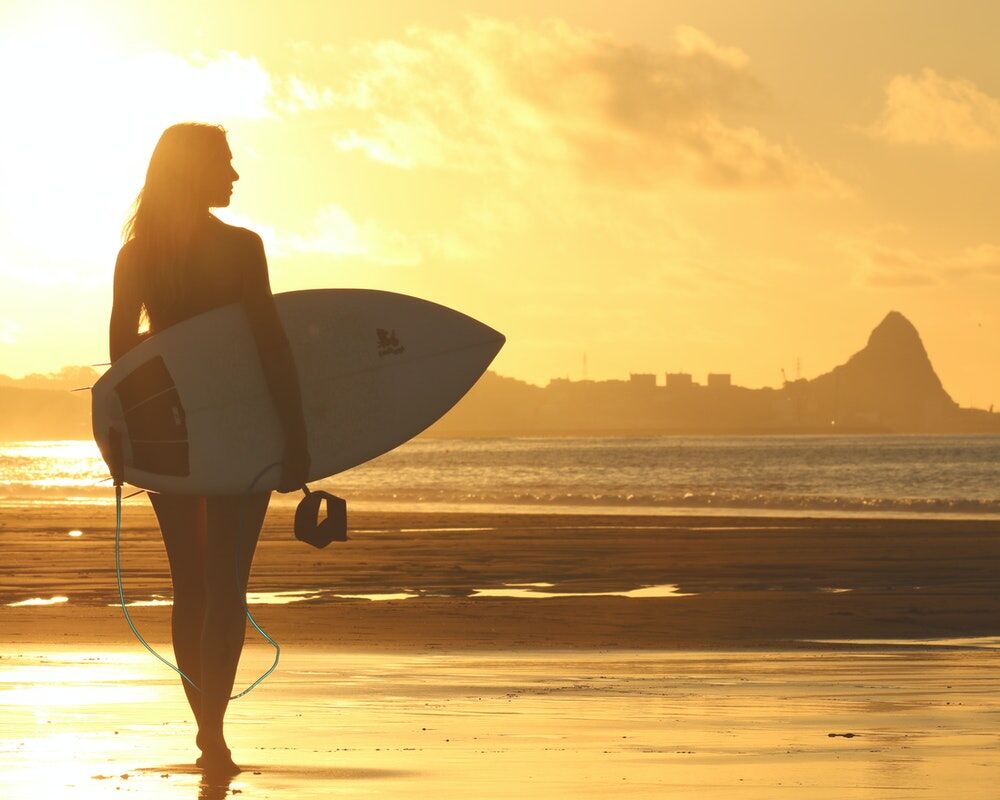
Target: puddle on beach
[416,530]
[253,598]
[511,590]
[40,601]
[425,530]
[532,591]
[977,642]
[284,598]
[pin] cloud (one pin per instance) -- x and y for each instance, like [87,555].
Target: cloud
[33,275]
[80,122]
[981,260]
[9,331]
[226,86]
[889,265]
[333,231]
[900,280]
[926,108]
[505,99]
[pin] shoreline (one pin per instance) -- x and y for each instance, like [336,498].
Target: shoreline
[455,695]
[290,500]
[738,583]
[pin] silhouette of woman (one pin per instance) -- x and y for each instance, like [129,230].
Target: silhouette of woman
[179,260]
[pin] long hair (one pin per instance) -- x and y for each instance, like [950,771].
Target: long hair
[169,209]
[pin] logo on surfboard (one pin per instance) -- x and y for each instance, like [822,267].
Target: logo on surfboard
[388,344]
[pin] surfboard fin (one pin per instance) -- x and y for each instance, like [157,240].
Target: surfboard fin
[309,529]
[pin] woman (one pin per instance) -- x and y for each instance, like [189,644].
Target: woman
[179,260]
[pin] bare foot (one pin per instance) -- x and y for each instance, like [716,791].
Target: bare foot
[215,756]
[218,762]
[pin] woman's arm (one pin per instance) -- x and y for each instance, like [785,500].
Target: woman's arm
[123,332]
[272,344]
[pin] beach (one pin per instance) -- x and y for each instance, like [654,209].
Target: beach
[427,655]
[725,581]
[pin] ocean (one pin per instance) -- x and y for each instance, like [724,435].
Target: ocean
[873,475]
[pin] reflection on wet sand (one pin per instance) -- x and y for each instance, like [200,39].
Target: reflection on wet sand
[40,601]
[509,590]
[400,676]
[626,724]
[978,642]
[660,590]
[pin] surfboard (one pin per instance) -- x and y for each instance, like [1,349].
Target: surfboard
[376,368]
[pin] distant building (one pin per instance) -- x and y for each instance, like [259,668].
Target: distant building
[642,379]
[719,379]
[679,380]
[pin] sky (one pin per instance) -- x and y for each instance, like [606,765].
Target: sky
[656,186]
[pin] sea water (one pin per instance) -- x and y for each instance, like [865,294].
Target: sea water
[884,475]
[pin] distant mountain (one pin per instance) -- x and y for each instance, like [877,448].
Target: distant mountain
[43,406]
[887,386]
[66,378]
[889,382]
[43,414]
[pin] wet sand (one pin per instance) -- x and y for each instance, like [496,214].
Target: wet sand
[728,688]
[750,582]
[559,724]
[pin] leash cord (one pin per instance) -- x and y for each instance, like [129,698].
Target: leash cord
[128,617]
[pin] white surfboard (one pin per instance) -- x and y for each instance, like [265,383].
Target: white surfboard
[376,368]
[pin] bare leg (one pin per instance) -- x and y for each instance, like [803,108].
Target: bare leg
[183,525]
[224,627]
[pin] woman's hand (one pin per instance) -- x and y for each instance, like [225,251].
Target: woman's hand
[294,468]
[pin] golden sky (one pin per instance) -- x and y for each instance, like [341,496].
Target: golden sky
[665,186]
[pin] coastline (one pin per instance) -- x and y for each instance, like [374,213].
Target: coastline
[724,689]
[728,582]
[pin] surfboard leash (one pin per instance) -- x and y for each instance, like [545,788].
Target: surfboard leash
[116,475]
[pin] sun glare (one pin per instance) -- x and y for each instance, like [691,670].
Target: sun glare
[80,123]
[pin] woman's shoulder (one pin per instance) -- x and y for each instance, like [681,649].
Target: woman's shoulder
[124,263]
[126,249]
[125,268]
[236,233]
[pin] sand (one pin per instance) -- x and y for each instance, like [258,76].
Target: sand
[729,688]
[751,582]
[561,724]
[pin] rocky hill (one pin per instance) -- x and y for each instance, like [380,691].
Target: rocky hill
[890,383]
[889,386]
